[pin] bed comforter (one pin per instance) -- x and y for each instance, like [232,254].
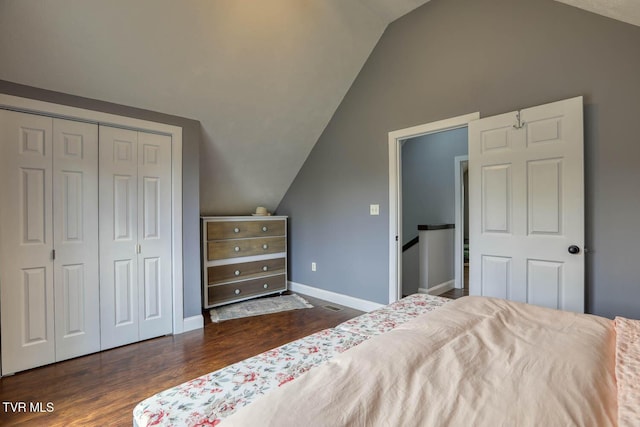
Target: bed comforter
[473,362]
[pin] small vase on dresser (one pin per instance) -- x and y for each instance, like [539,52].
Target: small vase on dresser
[243,257]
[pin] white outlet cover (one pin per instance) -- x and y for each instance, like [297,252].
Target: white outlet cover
[374,209]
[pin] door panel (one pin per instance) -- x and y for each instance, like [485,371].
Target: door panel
[496,193]
[526,183]
[26,241]
[544,201]
[34,292]
[75,206]
[496,276]
[118,160]
[545,283]
[123,284]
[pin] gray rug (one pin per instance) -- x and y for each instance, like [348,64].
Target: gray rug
[257,307]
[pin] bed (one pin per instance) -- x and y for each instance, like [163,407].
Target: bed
[208,399]
[473,361]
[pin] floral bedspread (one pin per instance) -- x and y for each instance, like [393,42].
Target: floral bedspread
[390,316]
[206,400]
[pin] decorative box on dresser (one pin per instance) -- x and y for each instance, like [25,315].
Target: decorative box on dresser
[243,257]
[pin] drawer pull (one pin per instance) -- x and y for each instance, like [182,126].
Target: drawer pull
[237,272]
[264,228]
[237,291]
[265,246]
[266,285]
[236,230]
[237,249]
[265,268]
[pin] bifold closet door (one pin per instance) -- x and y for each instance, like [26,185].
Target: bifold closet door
[154,235]
[49,300]
[26,241]
[135,236]
[75,238]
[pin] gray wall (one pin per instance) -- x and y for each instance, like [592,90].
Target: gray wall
[428,179]
[191,137]
[452,57]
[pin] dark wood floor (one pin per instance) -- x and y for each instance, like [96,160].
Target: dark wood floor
[458,293]
[101,389]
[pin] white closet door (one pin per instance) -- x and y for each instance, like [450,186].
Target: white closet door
[118,185]
[154,234]
[26,241]
[75,215]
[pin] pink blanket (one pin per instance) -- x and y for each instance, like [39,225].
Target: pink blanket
[475,361]
[628,371]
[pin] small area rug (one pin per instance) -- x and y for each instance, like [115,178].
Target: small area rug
[257,307]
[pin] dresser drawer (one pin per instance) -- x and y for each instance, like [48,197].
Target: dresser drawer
[246,289]
[244,229]
[245,270]
[223,249]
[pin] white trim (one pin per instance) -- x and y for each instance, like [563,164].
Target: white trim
[458,265]
[80,114]
[357,303]
[395,194]
[193,323]
[438,289]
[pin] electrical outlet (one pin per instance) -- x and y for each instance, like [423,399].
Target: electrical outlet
[374,209]
[313,266]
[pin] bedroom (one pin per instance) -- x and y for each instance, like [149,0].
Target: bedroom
[454,52]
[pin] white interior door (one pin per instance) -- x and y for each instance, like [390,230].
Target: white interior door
[75,213]
[26,241]
[118,184]
[154,234]
[527,206]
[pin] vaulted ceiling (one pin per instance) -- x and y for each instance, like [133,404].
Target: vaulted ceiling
[263,77]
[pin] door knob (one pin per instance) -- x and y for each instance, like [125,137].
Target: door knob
[573,249]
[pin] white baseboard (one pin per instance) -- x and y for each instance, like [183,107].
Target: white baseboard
[352,302]
[192,323]
[438,289]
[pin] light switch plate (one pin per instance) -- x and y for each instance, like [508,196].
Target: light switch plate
[374,209]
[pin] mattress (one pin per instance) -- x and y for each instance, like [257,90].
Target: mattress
[208,399]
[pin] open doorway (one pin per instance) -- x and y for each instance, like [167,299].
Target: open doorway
[397,140]
[428,210]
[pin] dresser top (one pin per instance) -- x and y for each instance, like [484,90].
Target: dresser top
[244,218]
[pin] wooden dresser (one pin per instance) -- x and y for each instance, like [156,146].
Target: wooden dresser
[243,257]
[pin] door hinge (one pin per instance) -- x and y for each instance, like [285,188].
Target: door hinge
[53,254]
[138,248]
[396,238]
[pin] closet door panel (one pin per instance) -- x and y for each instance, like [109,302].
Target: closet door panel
[75,213]
[26,241]
[154,234]
[118,196]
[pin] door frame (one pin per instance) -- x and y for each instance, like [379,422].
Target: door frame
[395,190]
[33,106]
[459,220]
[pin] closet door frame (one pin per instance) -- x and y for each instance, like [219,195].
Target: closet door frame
[26,105]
